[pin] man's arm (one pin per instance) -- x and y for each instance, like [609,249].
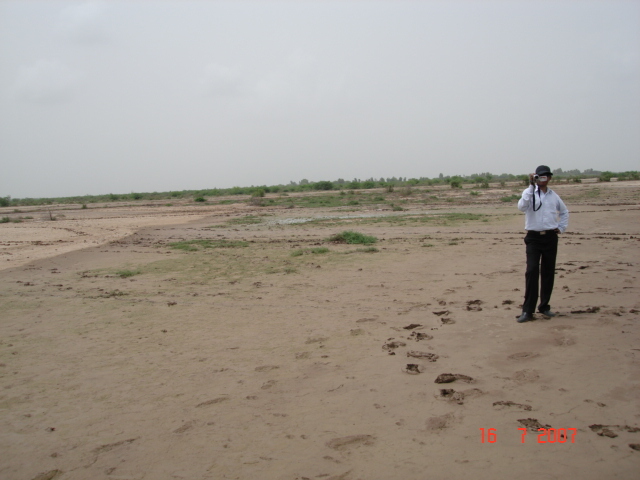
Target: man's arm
[525,200]
[563,213]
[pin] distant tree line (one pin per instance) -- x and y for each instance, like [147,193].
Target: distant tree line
[481,180]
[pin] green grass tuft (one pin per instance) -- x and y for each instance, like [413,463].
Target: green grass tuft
[351,237]
[127,273]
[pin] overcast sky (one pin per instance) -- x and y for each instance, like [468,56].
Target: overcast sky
[139,96]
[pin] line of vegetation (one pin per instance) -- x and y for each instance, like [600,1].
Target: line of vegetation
[257,193]
[313,251]
[195,245]
[363,250]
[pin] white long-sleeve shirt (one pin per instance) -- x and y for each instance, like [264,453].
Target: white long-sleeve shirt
[551,212]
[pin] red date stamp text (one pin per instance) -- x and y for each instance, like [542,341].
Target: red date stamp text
[546,435]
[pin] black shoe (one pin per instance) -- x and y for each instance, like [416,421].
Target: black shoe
[525,317]
[549,313]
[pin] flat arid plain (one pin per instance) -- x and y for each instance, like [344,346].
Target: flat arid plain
[235,341]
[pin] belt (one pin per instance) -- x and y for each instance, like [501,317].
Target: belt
[543,232]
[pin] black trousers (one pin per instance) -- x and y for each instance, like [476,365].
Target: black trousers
[541,263]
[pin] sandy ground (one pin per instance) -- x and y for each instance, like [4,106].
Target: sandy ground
[243,361]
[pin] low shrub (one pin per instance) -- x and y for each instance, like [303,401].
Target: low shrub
[351,237]
[127,273]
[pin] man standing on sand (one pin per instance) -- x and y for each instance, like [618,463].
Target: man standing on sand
[546,216]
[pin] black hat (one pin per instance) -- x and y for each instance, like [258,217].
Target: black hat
[543,170]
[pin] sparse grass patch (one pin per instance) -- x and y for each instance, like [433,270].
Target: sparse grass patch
[367,250]
[314,251]
[127,273]
[510,198]
[462,216]
[195,245]
[246,220]
[114,293]
[351,237]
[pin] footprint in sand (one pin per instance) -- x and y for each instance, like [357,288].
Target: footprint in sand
[458,397]
[316,340]
[431,357]
[345,443]
[532,424]
[212,402]
[451,395]
[187,426]
[523,355]
[501,405]
[412,326]
[435,424]
[452,377]
[588,310]
[525,376]
[608,430]
[268,385]
[362,320]
[474,305]
[50,475]
[421,336]
[562,328]
[563,341]
[266,368]
[393,345]
[413,368]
